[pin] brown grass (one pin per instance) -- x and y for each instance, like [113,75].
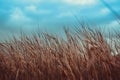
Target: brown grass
[83,56]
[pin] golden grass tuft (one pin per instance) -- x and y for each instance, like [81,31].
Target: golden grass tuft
[83,56]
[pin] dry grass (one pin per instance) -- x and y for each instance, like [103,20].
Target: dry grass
[47,57]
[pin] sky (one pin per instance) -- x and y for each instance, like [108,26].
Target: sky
[51,16]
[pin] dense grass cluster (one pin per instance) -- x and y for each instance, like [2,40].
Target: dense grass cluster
[84,55]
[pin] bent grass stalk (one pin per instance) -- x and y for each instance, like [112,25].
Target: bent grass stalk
[51,58]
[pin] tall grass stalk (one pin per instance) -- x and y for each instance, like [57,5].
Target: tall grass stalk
[48,57]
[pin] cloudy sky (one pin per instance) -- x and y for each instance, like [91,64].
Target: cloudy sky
[51,15]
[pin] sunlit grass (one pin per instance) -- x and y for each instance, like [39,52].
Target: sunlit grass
[84,55]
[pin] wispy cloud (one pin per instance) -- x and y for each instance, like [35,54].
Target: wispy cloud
[104,11]
[64,14]
[47,13]
[80,2]
[18,18]
[34,9]
[73,2]
[31,8]
[27,1]
[18,15]
[114,24]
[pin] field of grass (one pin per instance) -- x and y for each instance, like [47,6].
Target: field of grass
[83,55]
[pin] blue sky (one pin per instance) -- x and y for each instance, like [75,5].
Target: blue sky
[52,15]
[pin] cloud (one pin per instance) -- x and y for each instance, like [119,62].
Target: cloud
[18,15]
[15,20]
[34,9]
[75,2]
[114,24]
[64,14]
[20,20]
[31,0]
[27,1]
[111,27]
[80,2]
[111,30]
[31,8]
[110,1]
[104,11]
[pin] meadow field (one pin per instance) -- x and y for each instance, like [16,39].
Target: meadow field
[83,55]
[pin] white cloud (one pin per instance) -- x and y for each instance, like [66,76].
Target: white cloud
[18,16]
[75,2]
[28,1]
[114,24]
[31,0]
[43,11]
[104,11]
[31,8]
[110,0]
[111,27]
[101,12]
[80,2]
[64,14]
[19,20]
[34,9]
